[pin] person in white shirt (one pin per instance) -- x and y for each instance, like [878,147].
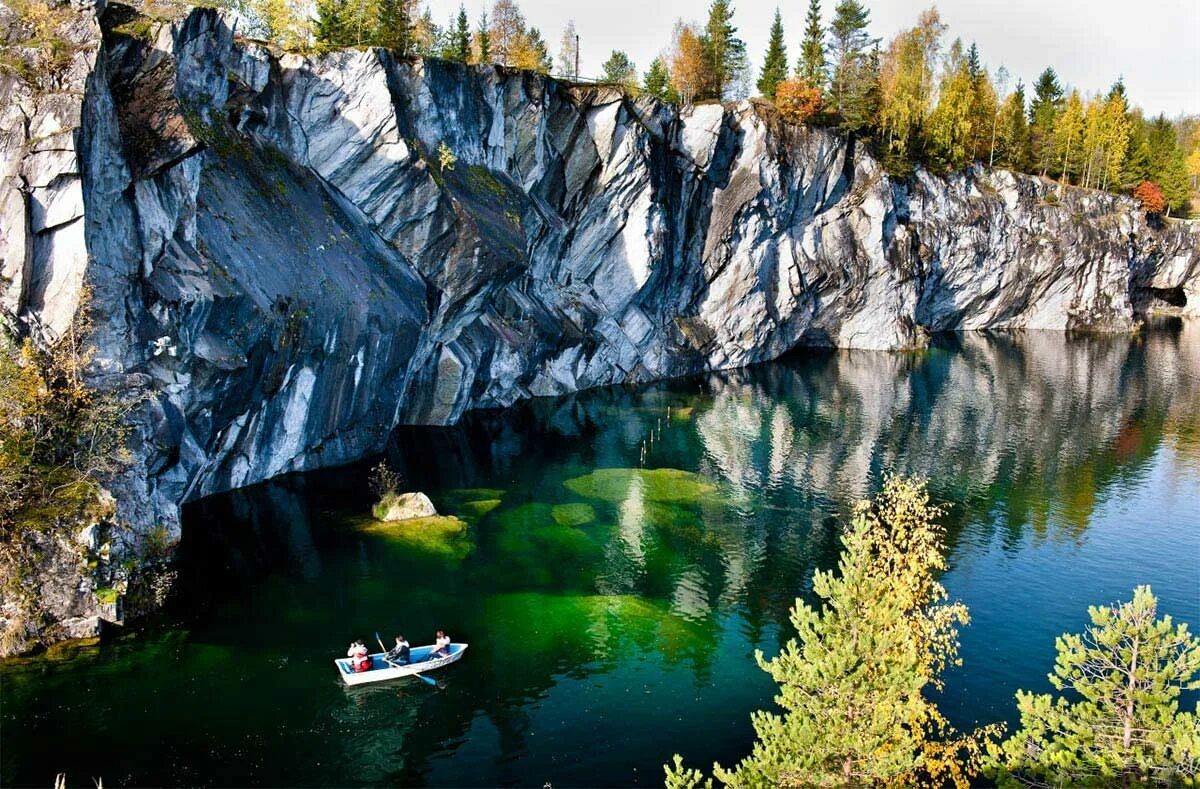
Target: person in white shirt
[441,647]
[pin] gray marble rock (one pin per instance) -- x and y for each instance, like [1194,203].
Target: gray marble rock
[285,271]
[405,506]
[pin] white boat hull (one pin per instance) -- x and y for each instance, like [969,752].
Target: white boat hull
[381,670]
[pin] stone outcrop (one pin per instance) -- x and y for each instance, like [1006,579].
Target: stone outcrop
[285,270]
[404,506]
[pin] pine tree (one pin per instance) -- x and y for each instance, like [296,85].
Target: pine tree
[1118,90]
[974,66]
[855,683]
[1120,722]
[726,52]
[851,85]
[1043,112]
[1175,182]
[619,69]
[775,65]
[1166,162]
[657,82]
[811,67]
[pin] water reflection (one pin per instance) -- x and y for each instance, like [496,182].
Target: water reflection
[612,610]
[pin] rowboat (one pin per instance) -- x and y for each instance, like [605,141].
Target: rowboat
[381,669]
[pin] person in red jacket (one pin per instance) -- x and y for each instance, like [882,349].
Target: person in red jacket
[360,659]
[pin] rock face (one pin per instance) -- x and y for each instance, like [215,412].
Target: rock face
[286,271]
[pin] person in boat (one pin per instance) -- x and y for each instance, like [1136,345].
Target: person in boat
[441,646]
[360,659]
[400,653]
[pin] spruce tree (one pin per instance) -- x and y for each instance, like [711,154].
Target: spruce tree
[726,52]
[393,30]
[1013,144]
[1043,112]
[1120,722]
[811,67]
[657,82]
[460,38]
[775,65]
[974,66]
[331,24]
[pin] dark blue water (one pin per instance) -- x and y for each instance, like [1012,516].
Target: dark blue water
[613,608]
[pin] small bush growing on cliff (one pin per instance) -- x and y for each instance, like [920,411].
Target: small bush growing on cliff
[797,101]
[854,686]
[1151,198]
[58,436]
[446,157]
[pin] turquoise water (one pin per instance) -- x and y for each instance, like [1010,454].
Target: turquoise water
[613,606]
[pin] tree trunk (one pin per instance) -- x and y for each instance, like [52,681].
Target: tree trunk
[992,152]
[1127,736]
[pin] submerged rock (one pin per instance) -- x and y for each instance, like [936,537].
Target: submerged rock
[440,535]
[404,506]
[651,484]
[578,514]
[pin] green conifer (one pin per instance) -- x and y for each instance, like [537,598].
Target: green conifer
[811,67]
[775,65]
[393,28]
[855,685]
[657,82]
[726,52]
[1119,723]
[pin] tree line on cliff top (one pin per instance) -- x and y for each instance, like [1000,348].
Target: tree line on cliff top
[917,100]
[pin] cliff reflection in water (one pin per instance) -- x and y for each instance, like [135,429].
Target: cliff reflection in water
[1026,429]
[1034,422]
[582,576]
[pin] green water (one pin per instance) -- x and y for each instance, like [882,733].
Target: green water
[613,606]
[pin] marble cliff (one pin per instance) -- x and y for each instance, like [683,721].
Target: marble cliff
[285,267]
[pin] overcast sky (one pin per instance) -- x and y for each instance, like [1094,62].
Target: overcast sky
[1155,44]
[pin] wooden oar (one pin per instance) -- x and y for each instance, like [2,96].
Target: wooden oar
[418,675]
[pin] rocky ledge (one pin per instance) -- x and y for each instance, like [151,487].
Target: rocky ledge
[293,254]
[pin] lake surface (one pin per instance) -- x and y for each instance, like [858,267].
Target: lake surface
[613,605]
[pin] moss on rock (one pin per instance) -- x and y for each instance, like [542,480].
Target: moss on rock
[658,484]
[443,535]
[576,514]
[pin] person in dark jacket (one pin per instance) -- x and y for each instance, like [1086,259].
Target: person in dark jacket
[400,653]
